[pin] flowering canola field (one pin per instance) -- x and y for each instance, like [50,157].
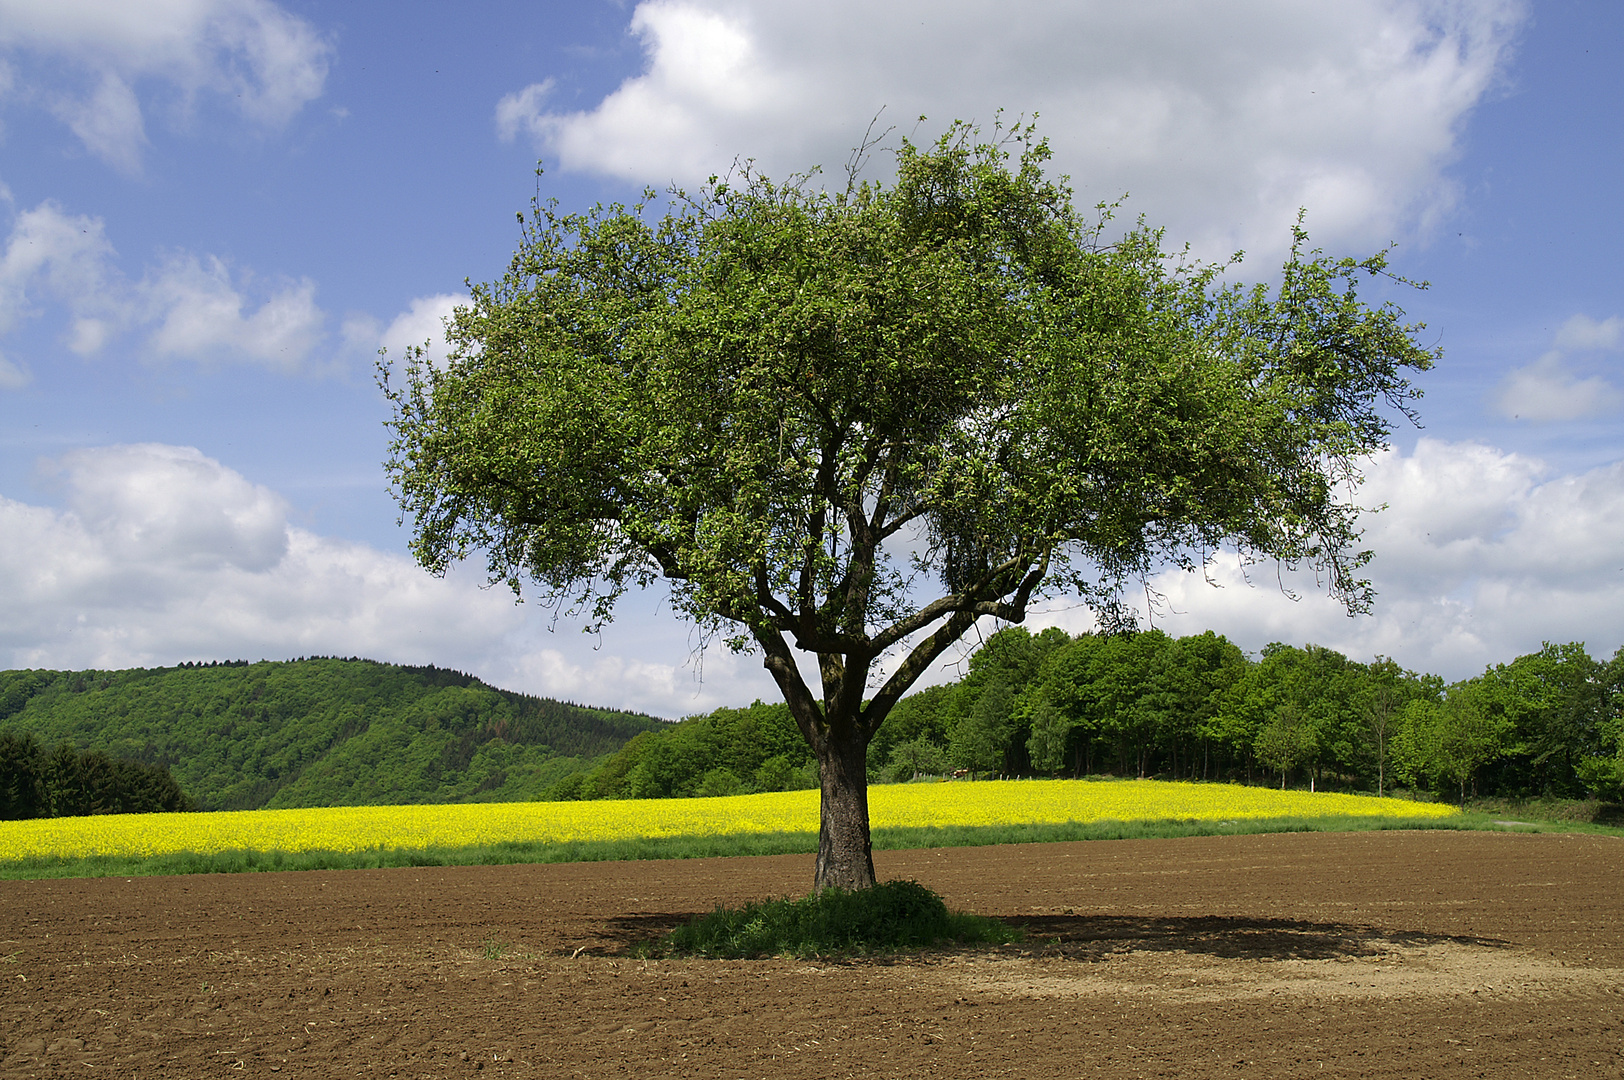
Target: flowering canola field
[364,828]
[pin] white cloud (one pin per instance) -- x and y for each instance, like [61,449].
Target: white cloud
[191,306]
[1549,389]
[66,256]
[1219,119]
[108,122]
[156,505]
[162,554]
[1583,333]
[1480,557]
[13,376]
[200,316]
[423,322]
[263,61]
[521,111]
[674,685]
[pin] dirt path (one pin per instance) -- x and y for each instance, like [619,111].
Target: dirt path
[1361,955]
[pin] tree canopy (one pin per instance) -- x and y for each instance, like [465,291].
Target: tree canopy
[854,422]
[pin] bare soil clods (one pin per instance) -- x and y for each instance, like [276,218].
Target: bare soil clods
[1362,955]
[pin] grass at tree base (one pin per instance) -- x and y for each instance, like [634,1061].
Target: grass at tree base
[890,917]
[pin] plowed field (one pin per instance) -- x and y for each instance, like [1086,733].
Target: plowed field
[1360,955]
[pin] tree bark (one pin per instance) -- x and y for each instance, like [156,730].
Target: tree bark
[845,853]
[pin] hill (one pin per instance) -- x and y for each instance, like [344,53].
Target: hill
[320,731]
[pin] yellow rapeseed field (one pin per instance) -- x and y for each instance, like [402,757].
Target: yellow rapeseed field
[363,828]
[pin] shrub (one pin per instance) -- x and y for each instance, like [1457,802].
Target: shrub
[775,774]
[915,758]
[718,783]
[887,917]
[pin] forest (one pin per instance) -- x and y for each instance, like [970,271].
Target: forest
[310,732]
[335,732]
[1549,724]
[66,782]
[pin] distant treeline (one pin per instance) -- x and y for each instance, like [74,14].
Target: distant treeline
[728,752]
[64,782]
[1146,704]
[332,732]
[318,731]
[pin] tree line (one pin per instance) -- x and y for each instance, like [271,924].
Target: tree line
[65,782]
[330,732]
[725,752]
[1147,704]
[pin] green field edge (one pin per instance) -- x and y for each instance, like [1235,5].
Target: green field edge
[704,847]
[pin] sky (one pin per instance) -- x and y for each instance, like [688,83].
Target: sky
[215,213]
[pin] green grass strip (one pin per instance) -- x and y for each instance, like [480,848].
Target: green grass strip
[699,847]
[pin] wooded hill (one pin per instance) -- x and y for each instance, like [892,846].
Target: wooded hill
[318,732]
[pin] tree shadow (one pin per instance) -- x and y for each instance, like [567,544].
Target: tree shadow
[1097,937]
[626,932]
[1093,938]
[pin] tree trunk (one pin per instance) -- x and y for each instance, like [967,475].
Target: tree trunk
[845,854]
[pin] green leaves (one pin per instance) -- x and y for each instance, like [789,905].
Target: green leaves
[806,411]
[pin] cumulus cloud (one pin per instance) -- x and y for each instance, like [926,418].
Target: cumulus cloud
[1481,555]
[263,61]
[200,316]
[1582,333]
[13,376]
[66,257]
[1220,120]
[108,122]
[153,505]
[421,324]
[522,111]
[672,682]
[54,255]
[187,307]
[160,554]
[1551,389]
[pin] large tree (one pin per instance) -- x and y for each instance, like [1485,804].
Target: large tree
[851,423]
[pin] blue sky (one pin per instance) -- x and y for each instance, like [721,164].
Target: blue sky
[215,212]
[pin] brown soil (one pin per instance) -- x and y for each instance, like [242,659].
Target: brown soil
[1367,955]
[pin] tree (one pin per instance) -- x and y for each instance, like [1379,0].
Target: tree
[1451,737]
[1062,709]
[22,778]
[1208,666]
[1555,702]
[988,732]
[805,408]
[1380,699]
[1603,772]
[1287,741]
[915,758]
[1470,735]
[981,736]
[923,717]
[1046,746]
